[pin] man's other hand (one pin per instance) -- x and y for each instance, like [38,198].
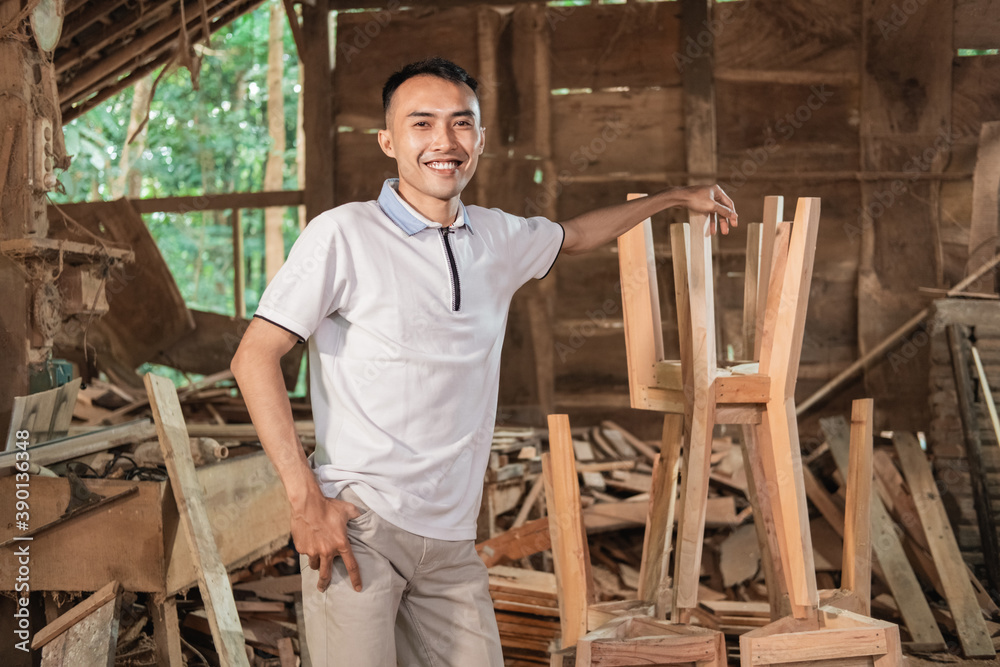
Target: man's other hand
[319,529]
[711,200]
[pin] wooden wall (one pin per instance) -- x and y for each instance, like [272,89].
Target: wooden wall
[585,104]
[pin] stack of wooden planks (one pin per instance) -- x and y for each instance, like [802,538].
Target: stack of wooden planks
[527,610]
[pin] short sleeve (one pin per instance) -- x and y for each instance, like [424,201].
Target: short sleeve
[310,285]
[534,245]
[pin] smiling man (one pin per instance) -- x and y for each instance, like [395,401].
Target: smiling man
[404,303]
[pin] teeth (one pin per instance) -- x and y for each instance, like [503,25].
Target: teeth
[443,165]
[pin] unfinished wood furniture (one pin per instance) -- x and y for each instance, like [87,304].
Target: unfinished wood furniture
[612,634]
[757,393]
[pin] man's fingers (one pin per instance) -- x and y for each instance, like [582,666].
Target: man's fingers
[325,573]
[314,562]
[353,571]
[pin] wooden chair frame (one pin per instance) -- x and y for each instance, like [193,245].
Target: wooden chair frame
[760,396]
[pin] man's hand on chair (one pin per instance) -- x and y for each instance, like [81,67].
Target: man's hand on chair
[711,200]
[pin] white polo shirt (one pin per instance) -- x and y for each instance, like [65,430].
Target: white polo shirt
[405,321]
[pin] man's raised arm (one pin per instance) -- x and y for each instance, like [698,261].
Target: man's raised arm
[319,524]
[593,229]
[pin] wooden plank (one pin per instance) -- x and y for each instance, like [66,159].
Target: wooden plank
[73,446]
[654,567]
[212,579]
[818,646]
[91,641]
[961,598]
[570,551]
[76,614]
[701,413]
[857,566]
[894,565]
[46,415]
[774,210]
[985,221]
[960,362]
[300,621]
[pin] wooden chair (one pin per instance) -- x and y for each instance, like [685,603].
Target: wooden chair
[758,393]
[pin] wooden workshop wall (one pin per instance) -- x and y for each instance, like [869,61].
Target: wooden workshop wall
[585,104]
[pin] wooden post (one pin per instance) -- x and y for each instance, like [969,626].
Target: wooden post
[985,186]
[570,551]
[213,581]
[960,362]
[317,101]
[857,563]
[239,278]
[166,631]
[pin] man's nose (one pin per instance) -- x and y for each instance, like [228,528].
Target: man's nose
[444,139]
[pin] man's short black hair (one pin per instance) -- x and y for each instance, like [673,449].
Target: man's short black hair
[439,67]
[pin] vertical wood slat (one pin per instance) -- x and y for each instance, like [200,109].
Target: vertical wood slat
[961,598]
[857,566]
[213,582]
[570,551]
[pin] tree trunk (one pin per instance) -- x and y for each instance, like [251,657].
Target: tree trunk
[128,182]
[274,247]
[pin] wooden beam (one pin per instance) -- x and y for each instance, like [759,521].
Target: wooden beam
[857,560]
[239,279]
[76,614]
[571,554]
[219,202]
[213,582]
[73,446]
[317,101]
[972,632]
[960,363]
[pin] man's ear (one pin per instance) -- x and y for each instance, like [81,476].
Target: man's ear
[482,140]
[385,143]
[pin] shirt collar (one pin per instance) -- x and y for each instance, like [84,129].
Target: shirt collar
[408,218]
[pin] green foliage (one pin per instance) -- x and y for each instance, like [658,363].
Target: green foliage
[213,139]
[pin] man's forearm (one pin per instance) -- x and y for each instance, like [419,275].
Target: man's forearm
[593,229]
[263,389]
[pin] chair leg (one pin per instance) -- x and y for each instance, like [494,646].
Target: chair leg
[763,519]
[778,442]
[694,496]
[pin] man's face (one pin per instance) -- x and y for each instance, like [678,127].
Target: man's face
[433,132]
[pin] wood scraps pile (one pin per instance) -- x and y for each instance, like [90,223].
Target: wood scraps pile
[131,531]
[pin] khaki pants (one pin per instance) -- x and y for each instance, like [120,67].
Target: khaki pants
[423,602]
